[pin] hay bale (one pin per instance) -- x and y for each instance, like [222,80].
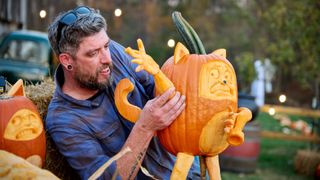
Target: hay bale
[306,162]
[41,94]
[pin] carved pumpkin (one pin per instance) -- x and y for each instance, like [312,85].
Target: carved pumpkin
[211,120]
[21,131]
[209,83]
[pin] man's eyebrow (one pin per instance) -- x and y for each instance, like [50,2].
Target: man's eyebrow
[92,50]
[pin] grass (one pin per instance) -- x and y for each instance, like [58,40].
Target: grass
[276,158]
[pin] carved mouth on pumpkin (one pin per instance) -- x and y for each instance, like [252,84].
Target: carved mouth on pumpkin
[26,134]
[221,90]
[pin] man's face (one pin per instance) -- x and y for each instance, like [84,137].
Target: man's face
[93,64]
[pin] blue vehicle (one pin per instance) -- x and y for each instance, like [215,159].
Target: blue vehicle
[26,55]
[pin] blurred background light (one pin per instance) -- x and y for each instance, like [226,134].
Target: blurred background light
[282,98]
[272,111]
[43,14]
[117,12]
[171,43]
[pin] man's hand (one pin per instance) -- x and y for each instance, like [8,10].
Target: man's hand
[156,115]
[159,112]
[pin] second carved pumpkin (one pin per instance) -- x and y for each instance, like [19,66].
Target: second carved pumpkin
[21,128]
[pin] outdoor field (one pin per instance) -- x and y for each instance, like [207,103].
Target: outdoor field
[277,156]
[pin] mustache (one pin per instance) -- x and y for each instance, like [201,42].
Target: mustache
[104,66]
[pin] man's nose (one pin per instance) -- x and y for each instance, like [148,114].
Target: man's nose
[105,57]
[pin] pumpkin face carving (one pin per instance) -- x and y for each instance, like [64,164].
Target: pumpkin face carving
[217,81]
[21,130]
[24,125]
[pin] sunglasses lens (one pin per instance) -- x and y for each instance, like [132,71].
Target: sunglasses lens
[68,19]
[83,10]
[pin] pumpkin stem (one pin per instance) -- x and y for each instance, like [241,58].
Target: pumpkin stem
[188,34]
[203,167]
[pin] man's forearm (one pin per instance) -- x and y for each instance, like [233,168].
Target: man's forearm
[138,141]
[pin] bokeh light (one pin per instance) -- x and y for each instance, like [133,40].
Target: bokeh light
[272,111]
[171,43]
[117,12]
[282,98]
[43,14]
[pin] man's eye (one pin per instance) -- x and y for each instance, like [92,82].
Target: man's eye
[93,53]
[106,47]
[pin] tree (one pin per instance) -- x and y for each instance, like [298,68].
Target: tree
[291,33]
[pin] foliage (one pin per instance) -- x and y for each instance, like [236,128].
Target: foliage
[292,31]
[245,70]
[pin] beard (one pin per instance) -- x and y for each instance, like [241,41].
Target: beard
[90,81]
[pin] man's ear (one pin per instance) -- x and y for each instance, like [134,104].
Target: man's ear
[65,59]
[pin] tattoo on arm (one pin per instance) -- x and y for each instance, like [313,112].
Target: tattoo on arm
[138,162]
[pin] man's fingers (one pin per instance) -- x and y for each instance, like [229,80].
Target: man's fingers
[175,112]
[179,111]
[164,97]
[176,109]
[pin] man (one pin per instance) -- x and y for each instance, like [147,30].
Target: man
[82,117]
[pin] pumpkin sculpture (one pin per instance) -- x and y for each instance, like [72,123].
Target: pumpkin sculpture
[21,130]
[211,120]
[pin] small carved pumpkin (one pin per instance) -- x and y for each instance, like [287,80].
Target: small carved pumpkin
[21,130]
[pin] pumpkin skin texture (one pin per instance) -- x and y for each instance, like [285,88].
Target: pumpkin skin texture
[21,129]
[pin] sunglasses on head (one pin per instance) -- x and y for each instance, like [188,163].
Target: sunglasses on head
[70,18]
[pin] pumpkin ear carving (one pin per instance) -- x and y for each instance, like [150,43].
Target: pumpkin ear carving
[17,89]
[179,51]
[220,52]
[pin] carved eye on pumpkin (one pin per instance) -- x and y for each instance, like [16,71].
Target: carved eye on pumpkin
[217,81]
[23,125]
[214,73]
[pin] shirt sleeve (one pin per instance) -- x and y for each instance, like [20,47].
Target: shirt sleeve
[82,151]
